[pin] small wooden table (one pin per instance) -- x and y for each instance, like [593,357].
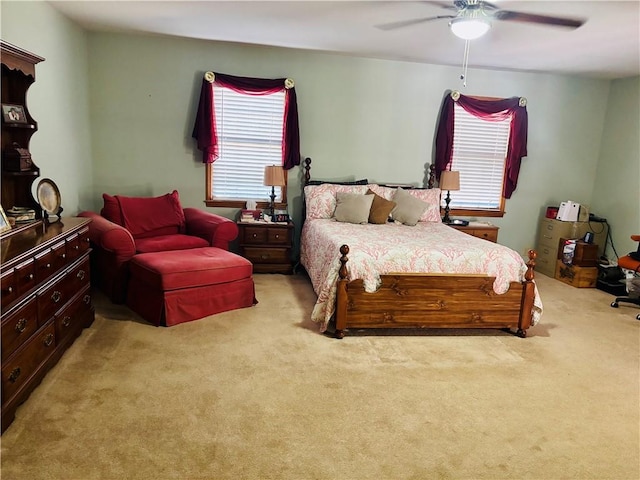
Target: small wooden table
[267,246]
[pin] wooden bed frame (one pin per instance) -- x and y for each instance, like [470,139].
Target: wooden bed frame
[424,300]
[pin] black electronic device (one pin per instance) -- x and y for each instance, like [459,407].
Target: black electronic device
[595,218]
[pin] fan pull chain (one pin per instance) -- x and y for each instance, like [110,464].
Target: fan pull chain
[465,63]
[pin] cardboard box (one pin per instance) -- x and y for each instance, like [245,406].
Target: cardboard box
[585,254]
[581,277]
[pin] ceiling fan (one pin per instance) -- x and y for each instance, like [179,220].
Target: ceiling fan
[472,18]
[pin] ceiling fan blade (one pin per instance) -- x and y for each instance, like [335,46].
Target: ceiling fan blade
[447,5]
[535,18]
[406,23]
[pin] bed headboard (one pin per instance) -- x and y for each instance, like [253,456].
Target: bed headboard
[307,175]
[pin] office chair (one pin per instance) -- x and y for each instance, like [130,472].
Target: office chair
[630,262]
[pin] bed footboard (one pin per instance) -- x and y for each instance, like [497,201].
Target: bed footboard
[433,301]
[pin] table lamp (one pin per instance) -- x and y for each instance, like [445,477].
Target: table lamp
[273,177]
[449,181]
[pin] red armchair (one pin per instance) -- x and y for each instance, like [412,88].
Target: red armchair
[127,226]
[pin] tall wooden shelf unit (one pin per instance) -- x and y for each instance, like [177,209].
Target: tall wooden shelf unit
[18,73]
[45,286]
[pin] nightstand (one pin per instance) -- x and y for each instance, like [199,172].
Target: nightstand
[485,231]
[267,246]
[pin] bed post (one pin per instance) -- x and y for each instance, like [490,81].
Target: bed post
[307,171]
[528,296]
[432,176]
[341,294]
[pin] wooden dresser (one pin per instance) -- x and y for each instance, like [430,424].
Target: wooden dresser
[46,302]
[267,246]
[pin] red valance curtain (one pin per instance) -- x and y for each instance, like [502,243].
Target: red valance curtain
[204,130]
[490,110]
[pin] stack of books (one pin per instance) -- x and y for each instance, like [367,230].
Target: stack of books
[249,215]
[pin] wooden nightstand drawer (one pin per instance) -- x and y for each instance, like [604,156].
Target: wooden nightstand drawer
[488,232]
[253,235]
[278,236]
[267,255]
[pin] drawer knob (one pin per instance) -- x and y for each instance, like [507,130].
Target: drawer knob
[255,235]
[48,265]
[277,236]
[66,321]
[15,373]
[76,247]
[80,275]
[21,325]
[9,289]
[264,257]
[48,340]
[63,256]
[30,276]
[87,299]
[56,296]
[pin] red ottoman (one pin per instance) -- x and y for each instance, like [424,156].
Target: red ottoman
[167,288]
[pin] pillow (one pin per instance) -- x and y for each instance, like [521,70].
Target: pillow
[431,196]
[353,207]
[320,200]
[408,209]
[380,208]
[385,192]
[111,209]
[148,216]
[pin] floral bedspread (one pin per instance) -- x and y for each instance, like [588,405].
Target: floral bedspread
[428,247]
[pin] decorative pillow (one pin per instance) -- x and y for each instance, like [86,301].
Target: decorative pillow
[431,196]
[149,216]
[380,208]
[408,209]
[353,207]
[320,200]
[111,209]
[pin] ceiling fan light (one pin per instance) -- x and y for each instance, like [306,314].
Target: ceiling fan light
[469,28]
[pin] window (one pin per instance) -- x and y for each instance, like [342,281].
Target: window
[249,129]
[485,140]
[479,153]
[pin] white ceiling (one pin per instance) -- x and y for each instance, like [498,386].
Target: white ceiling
[606,46]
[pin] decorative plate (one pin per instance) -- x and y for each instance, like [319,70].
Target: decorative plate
[49,196]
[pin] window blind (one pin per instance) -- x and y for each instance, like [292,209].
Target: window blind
[479,152]
[249,131]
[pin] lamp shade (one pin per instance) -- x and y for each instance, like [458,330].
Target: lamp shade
[469,28]
[450,180]
[274,176]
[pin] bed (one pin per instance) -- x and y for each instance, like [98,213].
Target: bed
[396,275]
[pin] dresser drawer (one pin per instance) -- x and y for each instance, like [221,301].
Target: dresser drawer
[25,276]
[486,234]
[18,326]
[19,369]
[267,255]
[278,236]
[52,299]
[77,278]
[9,287]
[71,320]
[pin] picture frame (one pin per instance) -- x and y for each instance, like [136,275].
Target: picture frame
[12,113]
[4,222]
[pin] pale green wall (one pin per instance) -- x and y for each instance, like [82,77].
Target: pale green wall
[616,191]
[58,100]
[358,117]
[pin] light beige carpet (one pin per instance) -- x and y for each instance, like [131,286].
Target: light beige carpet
[259,394]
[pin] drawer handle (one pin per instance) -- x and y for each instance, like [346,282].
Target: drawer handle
[546,236]
[56,296]
[30,276]
[15,373]
[80,274]
[9,289]
[255,235]
[66,321]
[21,325]
[76,247]
[87,299]
[264,257]
[48,265]
[86,239]
[277,236]
[549,227]
[48,340]
[63,256]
